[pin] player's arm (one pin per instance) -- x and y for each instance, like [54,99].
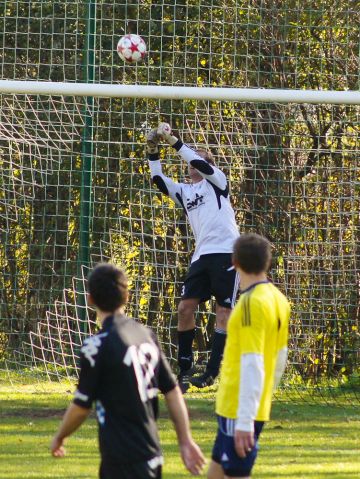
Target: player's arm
[282,353]
[72,420]
[190,452]
[167,186]
[252,375]
[206,170]
[251,387]
[280,366]
[84,396]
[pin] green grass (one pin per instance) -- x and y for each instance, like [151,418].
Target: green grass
[301,441]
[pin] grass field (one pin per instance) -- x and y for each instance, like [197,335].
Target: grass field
[302,440]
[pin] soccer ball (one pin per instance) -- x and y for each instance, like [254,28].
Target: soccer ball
[131,48]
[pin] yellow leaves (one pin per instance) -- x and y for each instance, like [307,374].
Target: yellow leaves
[313,360]
[143,301]
[72,227]
[132,254]
[21,250]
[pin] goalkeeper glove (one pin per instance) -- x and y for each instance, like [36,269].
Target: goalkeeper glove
[152,141]
[164,131]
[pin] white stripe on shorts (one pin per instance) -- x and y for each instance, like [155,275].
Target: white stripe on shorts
[236,288]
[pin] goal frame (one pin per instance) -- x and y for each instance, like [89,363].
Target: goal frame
[345,97]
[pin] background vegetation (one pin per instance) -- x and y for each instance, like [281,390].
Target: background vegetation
[294,169]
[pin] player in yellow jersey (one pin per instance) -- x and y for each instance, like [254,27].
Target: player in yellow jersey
[254,361]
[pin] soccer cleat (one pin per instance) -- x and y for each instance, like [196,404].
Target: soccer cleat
[202,381]
[184,379]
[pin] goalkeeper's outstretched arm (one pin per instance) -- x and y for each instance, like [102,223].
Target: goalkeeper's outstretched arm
[167,186]
[207,170]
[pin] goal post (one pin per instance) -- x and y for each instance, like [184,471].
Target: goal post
[271,90]
[289,181]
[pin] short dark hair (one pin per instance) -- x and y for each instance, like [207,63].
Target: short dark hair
[108,287]
[206,155]
[252,253]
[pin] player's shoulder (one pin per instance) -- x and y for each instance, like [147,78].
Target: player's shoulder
[134,324]
[92,346]
[258,297]
[96,340]
[280,296]
[249,307]
[253,295]
[130,329]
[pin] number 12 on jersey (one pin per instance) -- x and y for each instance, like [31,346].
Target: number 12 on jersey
[144,359]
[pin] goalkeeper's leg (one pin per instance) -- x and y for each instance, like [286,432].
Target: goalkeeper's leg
[186,336]
[217,349]
[224,286]
[218,340]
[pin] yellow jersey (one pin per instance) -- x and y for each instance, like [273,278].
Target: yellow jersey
[258,324]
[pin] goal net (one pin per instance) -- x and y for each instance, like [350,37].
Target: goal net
[75,186]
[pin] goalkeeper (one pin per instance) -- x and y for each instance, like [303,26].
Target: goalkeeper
[206,203]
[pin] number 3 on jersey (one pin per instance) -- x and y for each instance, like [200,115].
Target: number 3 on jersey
[144,359]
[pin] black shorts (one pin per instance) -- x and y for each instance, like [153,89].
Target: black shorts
[212,275]
[224,452]
[138,470]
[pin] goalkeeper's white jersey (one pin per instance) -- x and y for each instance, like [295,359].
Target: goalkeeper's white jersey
[206,203]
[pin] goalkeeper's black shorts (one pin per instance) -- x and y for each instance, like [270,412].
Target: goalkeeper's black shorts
[212,275]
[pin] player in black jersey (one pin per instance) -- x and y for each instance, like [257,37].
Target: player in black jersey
[206,204]
[122,369]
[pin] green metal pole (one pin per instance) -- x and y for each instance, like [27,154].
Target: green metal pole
[87,151]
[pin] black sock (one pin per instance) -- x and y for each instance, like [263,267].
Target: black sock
[216,354]
[185,354]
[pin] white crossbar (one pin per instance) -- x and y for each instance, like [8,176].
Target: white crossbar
[179,92]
